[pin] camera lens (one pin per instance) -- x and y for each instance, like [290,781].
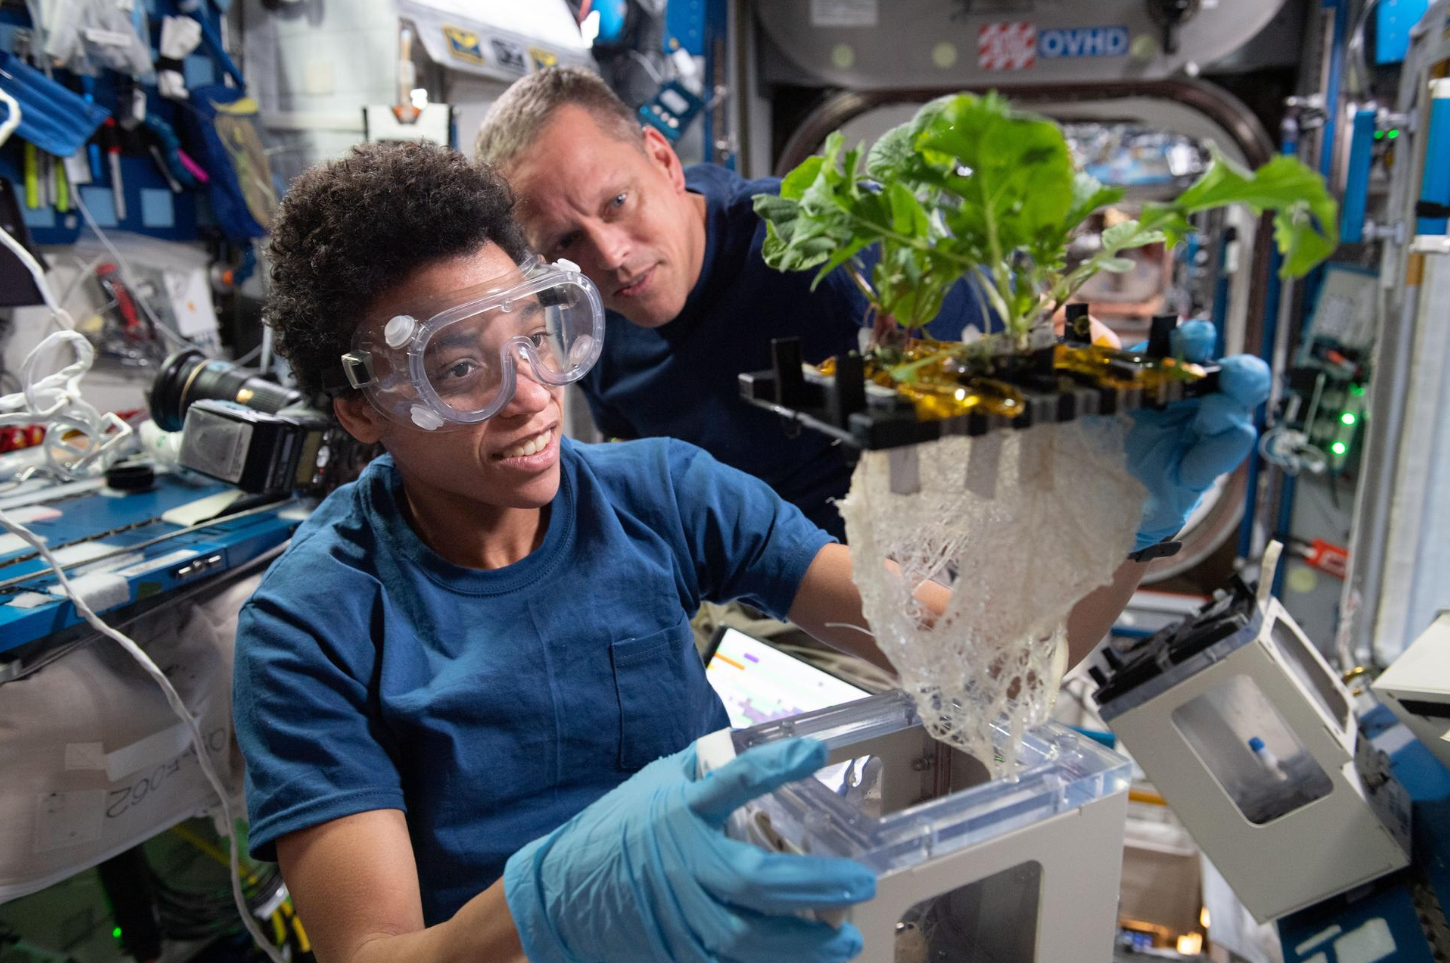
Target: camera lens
[187,376]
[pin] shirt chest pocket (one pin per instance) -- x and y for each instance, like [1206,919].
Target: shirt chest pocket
[664,697]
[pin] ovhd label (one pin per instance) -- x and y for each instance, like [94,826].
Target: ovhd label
[1083,42]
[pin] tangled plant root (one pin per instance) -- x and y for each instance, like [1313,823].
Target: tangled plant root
[1020,525]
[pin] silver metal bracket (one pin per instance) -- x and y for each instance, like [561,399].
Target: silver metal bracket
[358,366]
[905,470]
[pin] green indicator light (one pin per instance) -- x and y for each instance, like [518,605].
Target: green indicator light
[1339,448]
[1356,390]
[1379,135]
[1394,134]
[116,932]
[1348,418]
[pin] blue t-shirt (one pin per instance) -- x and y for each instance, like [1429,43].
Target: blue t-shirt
[681,379]
[492,706]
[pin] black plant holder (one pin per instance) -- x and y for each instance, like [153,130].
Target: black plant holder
[869,418]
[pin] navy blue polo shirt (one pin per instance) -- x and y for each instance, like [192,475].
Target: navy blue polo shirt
[680,380]
[492,706]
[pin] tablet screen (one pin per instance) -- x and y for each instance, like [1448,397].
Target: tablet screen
[759,683]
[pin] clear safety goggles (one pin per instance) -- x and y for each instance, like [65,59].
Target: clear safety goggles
[455,359]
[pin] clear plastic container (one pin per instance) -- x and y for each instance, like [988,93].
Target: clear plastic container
[907,798]
[968,866]
[1251,751]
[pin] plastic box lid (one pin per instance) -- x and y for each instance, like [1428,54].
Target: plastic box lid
[1057,770]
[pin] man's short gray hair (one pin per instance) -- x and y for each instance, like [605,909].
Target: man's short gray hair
[517,117]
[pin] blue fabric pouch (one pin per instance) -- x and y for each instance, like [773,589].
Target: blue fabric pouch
[222,131]
[52,118]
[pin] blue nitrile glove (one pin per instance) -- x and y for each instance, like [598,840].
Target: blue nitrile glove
[647,874]
[1178,452]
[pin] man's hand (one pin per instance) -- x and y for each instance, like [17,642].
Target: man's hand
[647,874]
[1179,451]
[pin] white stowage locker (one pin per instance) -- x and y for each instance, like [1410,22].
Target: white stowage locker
[1416,687]
[313,69]
[94,760]
[970,869]
[1251,738]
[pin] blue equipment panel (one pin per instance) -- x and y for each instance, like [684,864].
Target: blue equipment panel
[1394,19]
[671,110]
[685,27]
[1389,909]
[154,556]
[1356,188]
[1434,206]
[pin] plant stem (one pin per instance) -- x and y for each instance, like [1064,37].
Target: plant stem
[907,372]
[861,282]
[999,303]
[975,283]
[1001,276]
[1071,283]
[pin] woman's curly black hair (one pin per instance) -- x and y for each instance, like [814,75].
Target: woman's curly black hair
[350,229]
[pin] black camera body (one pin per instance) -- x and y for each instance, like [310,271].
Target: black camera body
[188,376]
[259,452]
[237,426]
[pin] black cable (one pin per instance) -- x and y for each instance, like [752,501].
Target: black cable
[201,914]
[133,904]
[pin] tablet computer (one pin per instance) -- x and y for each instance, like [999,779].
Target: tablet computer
[760,683]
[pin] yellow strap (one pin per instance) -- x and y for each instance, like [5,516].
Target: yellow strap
[303,943]
[32,177]
[206,847]
[62,189]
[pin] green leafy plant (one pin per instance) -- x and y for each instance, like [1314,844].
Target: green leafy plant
[971,186]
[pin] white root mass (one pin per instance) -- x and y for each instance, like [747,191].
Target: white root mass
[1021,525]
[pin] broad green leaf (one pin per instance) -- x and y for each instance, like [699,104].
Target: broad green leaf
[841,255]
[1175,226]
[773,209]
[773,250]
[908,217]
[972,187]
[1306,218]
[891,155]
[1021,176]
[1088,196]
[1127,235]
[1303,245]
[929,117]
[795,183]
[1282,181]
